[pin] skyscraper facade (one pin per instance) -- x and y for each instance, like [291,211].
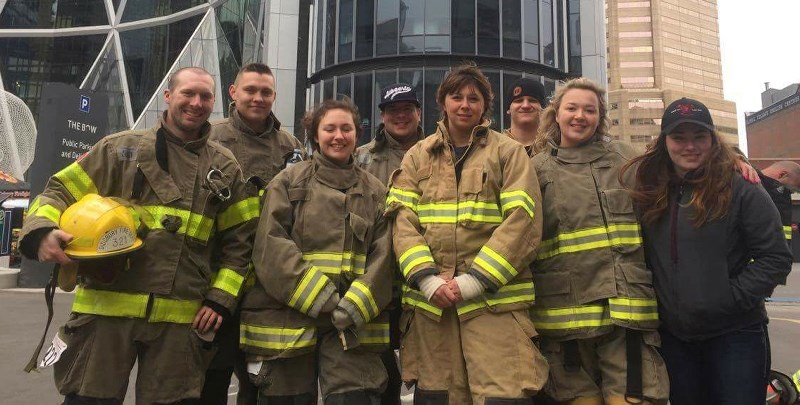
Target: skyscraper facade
[660,51]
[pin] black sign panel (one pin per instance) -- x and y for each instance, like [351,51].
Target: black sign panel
[70,122]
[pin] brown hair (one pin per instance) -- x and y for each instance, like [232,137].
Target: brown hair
[712,191]
[173,78]
[465,74]
[548,127]
[313,117]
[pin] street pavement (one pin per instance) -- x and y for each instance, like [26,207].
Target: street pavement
[23,314]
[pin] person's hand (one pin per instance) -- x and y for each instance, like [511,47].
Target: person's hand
[206,319]
[748,172]
[455,289]
[444,296]
[51,248]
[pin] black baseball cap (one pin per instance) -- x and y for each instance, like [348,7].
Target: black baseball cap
[525,87]
[686,110]
[395,93]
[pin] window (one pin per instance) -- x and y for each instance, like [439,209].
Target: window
[635,49]
[645,121]
[635,64]
[386,27]
[489,27]
[531,13]
[330,33]
[345,30]
[362,96]
[634,4]
[624,20]
[365,34]
[437,26]
[636,34]
[641,138]
[53,14]
[463,26]
[412,26]
[645,103]
[512,29]
[637,82]
[548,44]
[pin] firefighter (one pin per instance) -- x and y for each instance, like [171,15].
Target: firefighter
[780,179]
[398,132]
[262,148]
[323,264]
[524,102]
[467,220]
[164,305]
[595,305]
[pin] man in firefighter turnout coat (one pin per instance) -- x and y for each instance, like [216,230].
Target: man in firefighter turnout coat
[324,272]
[467,223]
[262,148]
[595,305]
[524,102]
[399,131]
[161,306]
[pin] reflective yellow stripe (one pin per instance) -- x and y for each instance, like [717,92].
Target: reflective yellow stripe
[174,311]
[590,238]
[337,262]
[584,316]
[633,309]
[34,205]
[77,182]
[407,198]
[519,198]
[48,211]
[132,305]
[277,338]
[238,213]
[360,295]
[307,291]
[229,281]
[450,213]
[507,294]
[413,257]
[495,264]
[796,380]
[192,224]
[374,334]
[787,232]
[415,298]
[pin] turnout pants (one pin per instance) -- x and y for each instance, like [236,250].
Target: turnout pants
[102,350]
[338,371]
[599,372]
[487,359]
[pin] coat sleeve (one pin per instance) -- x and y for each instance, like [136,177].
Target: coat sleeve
[513,243]
[412,251]
[370,293]
[763,233]
[278,260]
[236,223]
[95,173]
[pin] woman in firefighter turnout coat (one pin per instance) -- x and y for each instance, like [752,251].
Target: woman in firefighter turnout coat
[595,305]
[323,261]
[467,222]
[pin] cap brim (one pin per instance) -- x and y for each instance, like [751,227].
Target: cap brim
[137,244]
[384,104]
[666,130]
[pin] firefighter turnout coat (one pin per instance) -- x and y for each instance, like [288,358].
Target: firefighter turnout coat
[480,214]
[190,192]
[322,231]
[382,155]
[590,270]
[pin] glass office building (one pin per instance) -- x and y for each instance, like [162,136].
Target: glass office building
[358,46]
[125,48]
[316,48]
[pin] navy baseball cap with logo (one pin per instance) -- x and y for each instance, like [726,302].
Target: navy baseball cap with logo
[395,93]
[685,110]
[525,87]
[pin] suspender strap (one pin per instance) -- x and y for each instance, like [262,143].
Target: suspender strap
[572,357]
[49,292]
[633,350]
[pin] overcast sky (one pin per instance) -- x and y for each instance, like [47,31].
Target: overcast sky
[760,42]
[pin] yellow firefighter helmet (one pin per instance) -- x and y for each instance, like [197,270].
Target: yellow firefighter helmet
[101,227]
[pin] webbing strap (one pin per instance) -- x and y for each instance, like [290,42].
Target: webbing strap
[572,356]
[49,292]
[633,351]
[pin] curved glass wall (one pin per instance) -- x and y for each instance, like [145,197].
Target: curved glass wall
[364,88]
[53,13]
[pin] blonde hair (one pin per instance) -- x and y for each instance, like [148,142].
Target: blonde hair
[548,127]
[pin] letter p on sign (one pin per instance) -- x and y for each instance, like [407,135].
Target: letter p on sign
[84,104]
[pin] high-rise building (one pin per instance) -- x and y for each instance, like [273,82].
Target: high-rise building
[658,52]
[772,132]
